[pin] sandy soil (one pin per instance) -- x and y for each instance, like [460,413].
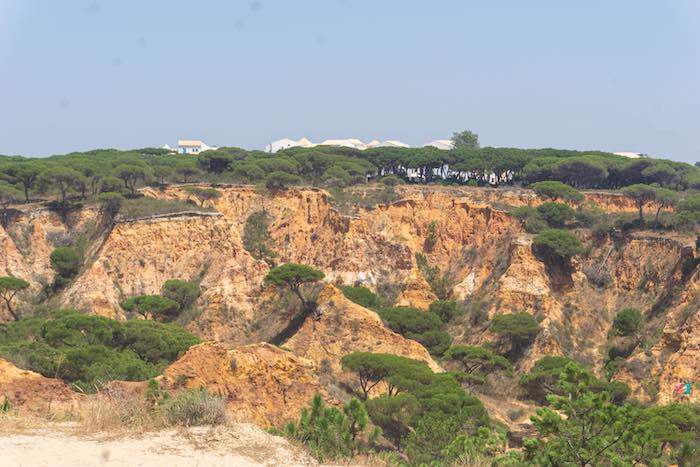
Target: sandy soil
[233,445]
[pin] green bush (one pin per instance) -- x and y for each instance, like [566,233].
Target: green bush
[628,322]
[423,326]
[519,328]
[361,295]
[329,433]
[556,243]
[89,351]
[65,261]
[195,407]
[555,214]
[185,293]
[447,310]
[256,237]
[152,307]
[394,415]
[441,284]
[557,190]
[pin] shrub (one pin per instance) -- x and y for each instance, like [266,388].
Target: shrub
[65,261]
[205,194]
[555,214]
[152,307]
[329,433]
[361,295]
[441,284]
[519,328]
[475,359]
[281,180]
[556,190]
[628,322]
[422,326]
[90,350]
[183,292]
[543,378]
[394,415]
[557,244]
[9,287]
[447,310]
[195,407]
[111,202]
[256,237]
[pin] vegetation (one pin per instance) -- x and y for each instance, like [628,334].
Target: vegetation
[628,322]
[641,194]
[465,140]
[256,237]
[330,433]
[441,284]
[362,296]
[423,326]
[184,293]
[9,287]
[519,329]
[447,310]
[555,190]
[195,407]
[153,307]
[89,351]
[477,360]
[294,275]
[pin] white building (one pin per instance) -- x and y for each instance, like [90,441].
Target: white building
[631,155]
[445,144]
[192,146]
[286,143]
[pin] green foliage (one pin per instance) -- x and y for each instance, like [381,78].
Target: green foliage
[329,433]
[9,287]
[65,261]
[9,195]
[89,351]
[373,368]
[153,307]
[557,243]
[479,449]
[518,328]
[111,201]
[5,406]
[543,378]
[555,214]
[256,237]
[204,194]
[293,276]
[423,326]
[475,359]
[185,293]
[465,140]
[557,190]
[441,284]
[447,310]
[585,428]
[361,295]
[641,194]
[394,415]
[195,407]
[281,180]
[628,322]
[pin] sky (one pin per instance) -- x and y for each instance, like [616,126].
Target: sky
[620,75]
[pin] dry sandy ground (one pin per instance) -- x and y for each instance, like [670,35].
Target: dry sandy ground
[232,445]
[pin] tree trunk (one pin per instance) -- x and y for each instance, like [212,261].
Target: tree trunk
[656,219]
[9,307]
[641,215]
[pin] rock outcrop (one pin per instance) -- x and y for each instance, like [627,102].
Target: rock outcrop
[32,392]
[262,383]
[346,327]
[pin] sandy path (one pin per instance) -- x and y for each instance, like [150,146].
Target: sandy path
[236,445]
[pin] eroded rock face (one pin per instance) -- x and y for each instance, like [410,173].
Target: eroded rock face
[346,327]
[262,383]
[30,391]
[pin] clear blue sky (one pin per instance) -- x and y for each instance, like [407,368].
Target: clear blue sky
[621,75]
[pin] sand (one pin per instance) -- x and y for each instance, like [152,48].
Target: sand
[233,445]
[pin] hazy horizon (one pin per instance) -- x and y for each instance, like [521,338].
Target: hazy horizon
[611,76]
